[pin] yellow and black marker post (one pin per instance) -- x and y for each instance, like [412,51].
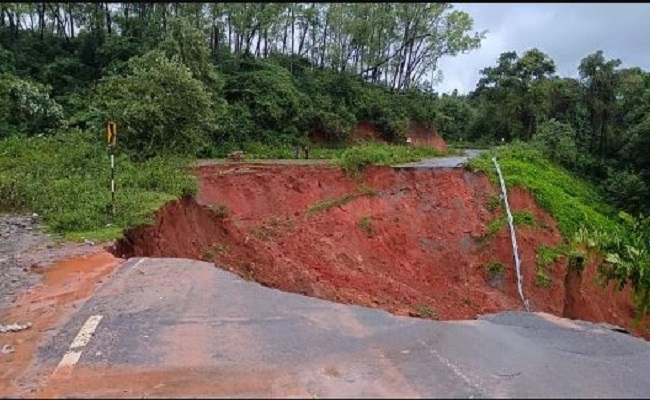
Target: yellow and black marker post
[111,138]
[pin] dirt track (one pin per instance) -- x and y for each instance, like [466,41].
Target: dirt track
[25,252]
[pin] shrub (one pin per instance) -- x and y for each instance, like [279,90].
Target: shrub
[557,140]
[356,158]
[159,107]
[66,179]
[364,225]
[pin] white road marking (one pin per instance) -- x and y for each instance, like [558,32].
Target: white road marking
[72,356]
[137,263]
[457,371]
[86,332]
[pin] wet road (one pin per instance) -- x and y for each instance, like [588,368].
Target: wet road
[442,162]
[174,327]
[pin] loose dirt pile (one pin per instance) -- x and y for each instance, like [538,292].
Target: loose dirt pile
[413,242]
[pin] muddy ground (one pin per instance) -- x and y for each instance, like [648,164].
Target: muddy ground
[25,252]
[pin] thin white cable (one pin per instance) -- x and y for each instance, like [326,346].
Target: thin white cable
[515,249]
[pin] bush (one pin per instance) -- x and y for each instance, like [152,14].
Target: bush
[354,159]
[455,117]
[626,190]
[159,107]
[273,102]
[557,141]
[627,258]
[66,179]
[26,107]
[573,202]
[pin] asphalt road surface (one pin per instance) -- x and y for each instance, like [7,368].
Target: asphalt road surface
[175,327]
[442,162]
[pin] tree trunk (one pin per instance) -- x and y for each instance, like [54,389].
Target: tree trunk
[229,33]
[603,134]
[323,50]
[108,20]
[12,23]
[266,42]
[257,47]
[293,23]
[164,17]
[302,38]
[284,38]
[41,19]
[216,39]
[71,21]
[313,40]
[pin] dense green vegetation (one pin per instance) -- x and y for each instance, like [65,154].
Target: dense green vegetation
[583,217]
[199,80]
[596,126]
[188,80]
[64,178]
[573,202]
[354,159]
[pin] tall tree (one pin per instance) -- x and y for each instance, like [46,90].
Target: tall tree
[600,79]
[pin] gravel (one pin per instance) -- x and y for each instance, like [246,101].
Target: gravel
[25,252]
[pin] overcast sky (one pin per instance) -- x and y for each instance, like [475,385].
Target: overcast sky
[567,32]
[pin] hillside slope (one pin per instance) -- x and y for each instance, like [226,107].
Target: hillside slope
[425,243]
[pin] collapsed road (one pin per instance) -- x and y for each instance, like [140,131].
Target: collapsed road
[175,327]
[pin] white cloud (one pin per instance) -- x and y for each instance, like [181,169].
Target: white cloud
[567,32]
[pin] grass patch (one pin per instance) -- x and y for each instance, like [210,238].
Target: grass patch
[66,179]
[543,280]
[355,159]
[208,255]
[262,232]
[519,218]
[571,201]
[545,258]
[547,255]
[425,311]
[214,250]
[365,226]
[324,205]
[494,273]
[102,235]
[495,269]
[495,225]
[494,203]
[524,218]
[219,210]
[272,227]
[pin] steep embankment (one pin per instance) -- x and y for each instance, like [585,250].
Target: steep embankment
[413,242]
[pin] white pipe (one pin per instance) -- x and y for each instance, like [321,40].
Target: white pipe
[515,249]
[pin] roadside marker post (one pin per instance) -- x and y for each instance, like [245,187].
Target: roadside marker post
[111,138]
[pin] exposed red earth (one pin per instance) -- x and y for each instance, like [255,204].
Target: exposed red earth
[412,242]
